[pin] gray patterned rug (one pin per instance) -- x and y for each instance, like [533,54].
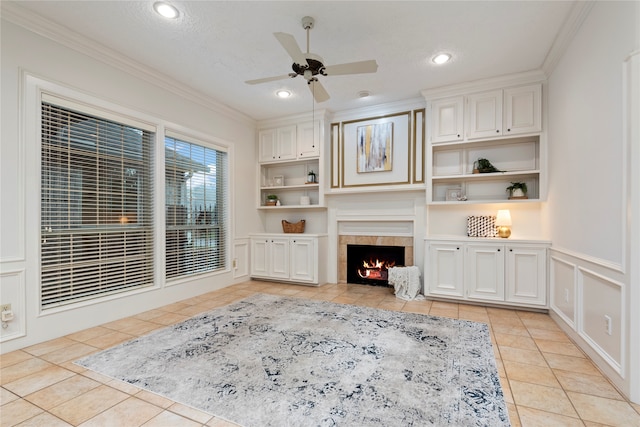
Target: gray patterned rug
[277,361]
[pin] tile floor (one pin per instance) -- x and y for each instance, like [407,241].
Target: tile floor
[547,380]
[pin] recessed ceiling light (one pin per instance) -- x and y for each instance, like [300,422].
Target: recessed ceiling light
[166,10]
[441,58]
[283,93]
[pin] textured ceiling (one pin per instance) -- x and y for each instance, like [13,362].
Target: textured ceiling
[215,46]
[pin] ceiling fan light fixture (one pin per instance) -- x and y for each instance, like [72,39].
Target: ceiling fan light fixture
[441,58]
[166,10]
[283,93]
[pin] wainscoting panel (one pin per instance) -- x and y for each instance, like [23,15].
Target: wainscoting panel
[601,320]
[12,292]
[563,277]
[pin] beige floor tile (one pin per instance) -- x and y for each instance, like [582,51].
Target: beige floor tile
[510,330]
[513,415]
[109,339]
[123,386]
[535,418]
[441,305]
[540,397]
[22,369]
[514,322]
[495,312]
[565,348]
[61,392]
[72,352]
[39,380]
[636,407]
[506,390]
[14,357]
[18,411]
[193,414]
[150,315]
[44,419]
[545,334]
[168,419]
[439,312]
[528,373]
[88,334]
[155,399]
[391,305]
[530,357]
[48,346]
[546,324]
[174,308]
[570,363]
[606,411]
[6,396]
[88,405]
[169,319]
[515,341]
[596,385]
[130,412]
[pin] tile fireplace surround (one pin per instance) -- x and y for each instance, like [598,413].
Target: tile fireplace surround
[344,240]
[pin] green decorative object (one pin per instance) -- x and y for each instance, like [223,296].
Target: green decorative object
[484,166]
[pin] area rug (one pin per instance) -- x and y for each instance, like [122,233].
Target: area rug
[278,361]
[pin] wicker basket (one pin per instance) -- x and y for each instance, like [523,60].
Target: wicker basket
[293,227]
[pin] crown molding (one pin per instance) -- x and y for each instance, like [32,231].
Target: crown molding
[498,82]
[15,14]
[572,24]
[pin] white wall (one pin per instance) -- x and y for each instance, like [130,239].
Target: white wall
[588,180]
[25,52]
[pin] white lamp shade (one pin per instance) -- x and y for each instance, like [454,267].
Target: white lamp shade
[503,218]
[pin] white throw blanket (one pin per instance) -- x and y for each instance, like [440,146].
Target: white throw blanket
[406,282]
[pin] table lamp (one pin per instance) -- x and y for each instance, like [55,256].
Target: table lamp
[503,222]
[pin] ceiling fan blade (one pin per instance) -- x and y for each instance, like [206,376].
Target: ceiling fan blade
[267,79]
[369,66]
[291,46]
[318,91]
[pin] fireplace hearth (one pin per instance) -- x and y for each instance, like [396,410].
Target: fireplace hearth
[369,264]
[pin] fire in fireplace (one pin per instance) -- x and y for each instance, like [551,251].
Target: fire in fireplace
[368,264]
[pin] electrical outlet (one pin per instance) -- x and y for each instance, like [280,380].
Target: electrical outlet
[607,324]
[234,263]
[5,307]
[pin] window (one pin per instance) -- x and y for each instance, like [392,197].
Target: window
[196,206]
[96,205]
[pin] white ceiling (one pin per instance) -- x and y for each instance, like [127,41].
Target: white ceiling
[215,46]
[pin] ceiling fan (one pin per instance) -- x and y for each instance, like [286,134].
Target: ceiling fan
[310,65]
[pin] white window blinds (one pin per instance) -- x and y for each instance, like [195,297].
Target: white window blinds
[196,203]
[96,206]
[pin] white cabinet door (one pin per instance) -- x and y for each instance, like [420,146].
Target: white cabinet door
[308,135]
[304,253]
[286,143]
[260,257]
[267,145]
[485,272]
[485,114]
[522,110]
[447,122]
[526,275]
[279,265]
[446,269]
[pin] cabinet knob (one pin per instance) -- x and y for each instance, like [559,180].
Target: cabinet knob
[510,250]
[458,135]
[497,130]
[498,250]
[508,130]
[457,249]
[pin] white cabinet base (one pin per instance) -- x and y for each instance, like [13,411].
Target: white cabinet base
[487,271]
[291,257]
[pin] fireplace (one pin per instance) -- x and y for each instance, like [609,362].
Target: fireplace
[369,264]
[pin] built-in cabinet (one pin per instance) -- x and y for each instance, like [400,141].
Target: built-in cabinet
[488,270]
[288,156]
[503,126]
[288,257]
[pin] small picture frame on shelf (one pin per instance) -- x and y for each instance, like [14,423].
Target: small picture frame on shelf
[453,194]
[278,181]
